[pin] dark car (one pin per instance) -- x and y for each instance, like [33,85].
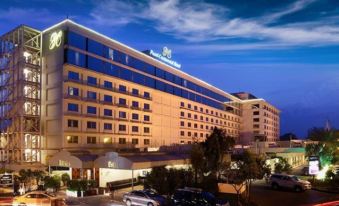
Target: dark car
[193,197]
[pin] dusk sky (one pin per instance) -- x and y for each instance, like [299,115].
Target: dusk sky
[286,52]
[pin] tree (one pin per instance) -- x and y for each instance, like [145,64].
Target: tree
[38,175]
[65,178]
[288,136]
[246,168]
[216,146]
[198,162]
[282,166]
[52,182]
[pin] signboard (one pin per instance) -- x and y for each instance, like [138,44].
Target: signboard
[55,40]
[313,165]
[6,179]
[112,164]
[164,56]
[63,163]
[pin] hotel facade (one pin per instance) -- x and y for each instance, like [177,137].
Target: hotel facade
[69,88]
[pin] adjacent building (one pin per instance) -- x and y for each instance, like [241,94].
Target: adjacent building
[260,119]
[71,88]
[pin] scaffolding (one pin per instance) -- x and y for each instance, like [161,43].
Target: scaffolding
[20,95]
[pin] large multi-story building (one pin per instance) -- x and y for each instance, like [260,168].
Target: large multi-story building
[69,87]
[260,120]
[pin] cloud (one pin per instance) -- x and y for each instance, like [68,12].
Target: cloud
[205,22]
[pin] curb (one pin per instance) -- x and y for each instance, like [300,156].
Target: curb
[326,191]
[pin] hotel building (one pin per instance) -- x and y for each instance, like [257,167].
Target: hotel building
[70,88]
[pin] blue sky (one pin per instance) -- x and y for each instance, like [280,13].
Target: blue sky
[286,52]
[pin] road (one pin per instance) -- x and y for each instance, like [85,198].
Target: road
[263,195]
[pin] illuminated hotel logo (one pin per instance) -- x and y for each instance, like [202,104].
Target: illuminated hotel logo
[55,40]
[165,56]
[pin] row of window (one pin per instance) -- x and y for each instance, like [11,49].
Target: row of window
[106,140]
[92,81]
[74,107]
[128,75]
[207,111]
[201,135]
[107,126]
[91,46]
[207,119]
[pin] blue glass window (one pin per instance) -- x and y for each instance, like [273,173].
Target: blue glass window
[122,88]
[75,58]
[135,92]
[73,107]
[76,40]
[108,126]
[122,114]
[108,98]
[159,73]
[147,95]
[126,74]
[73,75]
[95,64]
[91,125]
[160,85]
[95,47]
[91,110]
[147,106]
[146,118]
[108,85]
[135,116]
[149,82]
[73,91]
[91,95]
[122,101]
[135,104]
[108,112]
[91,80]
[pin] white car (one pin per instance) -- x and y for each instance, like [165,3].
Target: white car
[289,181]
[143,198]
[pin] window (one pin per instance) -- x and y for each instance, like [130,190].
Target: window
[73,107]
[91,80]
[72,91]
[135,104]
[95,47]
[122,114]
[91,140]
[189,115]
[107,126]
[122,88]
[108,140]
[73,75]
[189,106]
[91,95]
[108,98]
[122,101]
[135,116]
[135,141]
[122,140]
[91,125]
[182,123]
[108,85]
[195,116]
[195,125]
[72,123]
[189,134]
[256,120]
[256,113]
[72,139]
[146,118]
[108,112]
[195,108]
[189,124]
[122,127]
[91,110]
[135,92]
[182,133]
[146,106]
[76,40]
[182,114]
[146,141]
[146,130]
[135,129]
[147,95]
[182,104]
[75,58]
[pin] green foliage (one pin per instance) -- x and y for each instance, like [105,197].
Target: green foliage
[65,178]
[282,166]
[198,162]
[52,182]
[81,185]
[166,181]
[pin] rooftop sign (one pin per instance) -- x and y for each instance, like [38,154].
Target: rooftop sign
[165,56]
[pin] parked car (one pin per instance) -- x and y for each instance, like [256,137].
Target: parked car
[289,181]
[194,196]
[38,198]
[143,198]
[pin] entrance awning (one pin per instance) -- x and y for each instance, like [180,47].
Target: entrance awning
[139,161]
[67,159]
